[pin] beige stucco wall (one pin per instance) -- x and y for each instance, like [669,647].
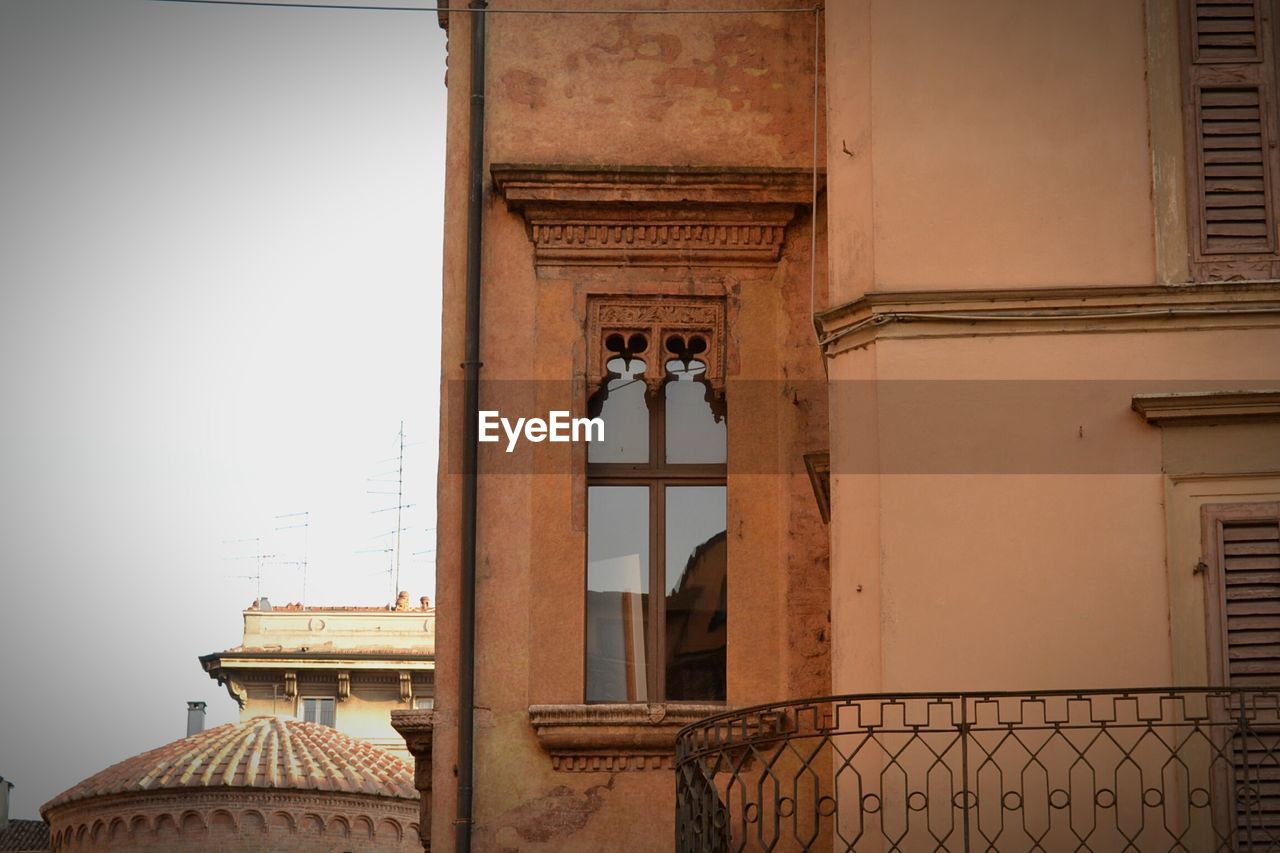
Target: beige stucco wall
[341,630]
[986,573]
[970,144]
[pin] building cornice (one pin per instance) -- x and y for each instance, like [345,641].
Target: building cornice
[1208,407]
[1048,310]
[364,660]
[654,215]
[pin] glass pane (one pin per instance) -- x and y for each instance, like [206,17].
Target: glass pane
[326,712]
[617,593]
[693,433]
[626,417]
[697,593]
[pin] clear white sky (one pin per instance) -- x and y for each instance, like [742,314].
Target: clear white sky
[219,295]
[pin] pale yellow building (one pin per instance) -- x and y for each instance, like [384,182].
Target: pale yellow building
[345,667]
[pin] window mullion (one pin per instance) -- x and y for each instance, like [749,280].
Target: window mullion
[657,597]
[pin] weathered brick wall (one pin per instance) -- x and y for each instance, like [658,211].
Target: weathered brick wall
[237,822]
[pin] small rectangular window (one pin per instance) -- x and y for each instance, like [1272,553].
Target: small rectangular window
[318,710]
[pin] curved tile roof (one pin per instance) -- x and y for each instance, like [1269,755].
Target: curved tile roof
[265,752]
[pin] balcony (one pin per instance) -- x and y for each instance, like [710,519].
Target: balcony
[1185,769]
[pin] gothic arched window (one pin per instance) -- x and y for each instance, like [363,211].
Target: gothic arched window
[656,519]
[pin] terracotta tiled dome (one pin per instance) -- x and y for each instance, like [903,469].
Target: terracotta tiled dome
[265,752]
[265,784]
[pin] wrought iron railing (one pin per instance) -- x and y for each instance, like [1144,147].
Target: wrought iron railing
[1181,769]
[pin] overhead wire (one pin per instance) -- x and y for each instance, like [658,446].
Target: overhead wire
[503,11]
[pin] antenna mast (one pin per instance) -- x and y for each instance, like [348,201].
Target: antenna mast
[305,524]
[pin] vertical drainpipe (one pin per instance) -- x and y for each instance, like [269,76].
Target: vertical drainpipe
[470,440]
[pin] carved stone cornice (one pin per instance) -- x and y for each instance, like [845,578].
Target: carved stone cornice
[1208,407]
[613,737]
[417,727]
[654,216]
[1048,310]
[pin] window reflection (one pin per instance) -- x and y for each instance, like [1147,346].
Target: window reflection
[696,586]
[626,417]
[617,593]
[694,433]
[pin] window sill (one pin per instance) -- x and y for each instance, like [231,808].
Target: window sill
[614,737]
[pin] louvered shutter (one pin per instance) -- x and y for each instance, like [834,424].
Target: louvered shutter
[1250,566]
[1243,591]
[1231,115]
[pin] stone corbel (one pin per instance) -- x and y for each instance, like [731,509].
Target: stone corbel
[406,687]
[235,689]
[418,730]
[344,685]
[654,215]
[291,685]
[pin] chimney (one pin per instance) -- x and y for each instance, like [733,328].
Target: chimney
[5,785]
[195,718]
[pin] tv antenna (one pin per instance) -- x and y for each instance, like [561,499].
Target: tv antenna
[400,507]
[257,555]
[305,524]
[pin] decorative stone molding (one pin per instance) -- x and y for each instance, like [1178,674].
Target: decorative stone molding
[1048,310]
[613,737]
[291,685]
[656,319]
[653,215]
[1208,407]
[418,730]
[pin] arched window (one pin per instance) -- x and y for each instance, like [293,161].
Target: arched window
[656,520]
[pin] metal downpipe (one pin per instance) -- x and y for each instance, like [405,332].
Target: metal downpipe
[470,443]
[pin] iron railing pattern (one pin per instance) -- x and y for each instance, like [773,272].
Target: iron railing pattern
[1144,770]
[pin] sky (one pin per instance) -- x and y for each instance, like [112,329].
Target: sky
[220,239]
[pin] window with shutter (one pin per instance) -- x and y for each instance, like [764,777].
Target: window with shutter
[1230,110]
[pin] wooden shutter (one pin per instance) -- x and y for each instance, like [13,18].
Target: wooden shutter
[1230,109]
[1242,593]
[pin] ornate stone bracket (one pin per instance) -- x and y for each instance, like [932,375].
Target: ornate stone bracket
[418,730]
[406,686]
[656,320]
[291,685]
[654,216]
[344,685]
[613,737]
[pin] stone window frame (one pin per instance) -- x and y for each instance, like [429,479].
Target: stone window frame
[627,217]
